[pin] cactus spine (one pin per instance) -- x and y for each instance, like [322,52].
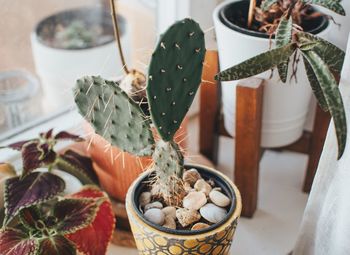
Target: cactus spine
[173,80]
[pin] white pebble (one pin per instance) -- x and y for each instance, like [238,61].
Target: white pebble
[202,185]
[170,211]
[155,216]
[153,205]
[145,198]
[219,199]
[191,176]
[194,200]
[213,213]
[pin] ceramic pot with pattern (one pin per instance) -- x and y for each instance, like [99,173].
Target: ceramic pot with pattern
[152,239]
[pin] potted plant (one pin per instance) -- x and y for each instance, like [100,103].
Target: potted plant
[71,43]
[173,208]
[119,169]
[39,217]
[245,29]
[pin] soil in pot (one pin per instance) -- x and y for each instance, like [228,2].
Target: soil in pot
[207,203]
[235,16]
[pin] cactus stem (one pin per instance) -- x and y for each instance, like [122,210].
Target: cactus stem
[184,79]
[173,103]
[168,89]
[177,46]
[197,50]
[155,97]
[179,67]
[191,34]
[163,113]
[150,77]
[162,70]
[191,93]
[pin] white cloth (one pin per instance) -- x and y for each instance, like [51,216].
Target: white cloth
[325,228]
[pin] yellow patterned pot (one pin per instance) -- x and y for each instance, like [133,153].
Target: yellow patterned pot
[152,239]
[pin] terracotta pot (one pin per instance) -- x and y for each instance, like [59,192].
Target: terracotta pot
[154,239]
[115,169]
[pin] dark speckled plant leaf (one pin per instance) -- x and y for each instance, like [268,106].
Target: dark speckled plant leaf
[74,214]
[315,85]
[257,64]
[78,166]
[333,5]
[266,4]
[16,242]
[283,37]
[331,54]
[56,245]
[30,190]
[332,95]
[30,217]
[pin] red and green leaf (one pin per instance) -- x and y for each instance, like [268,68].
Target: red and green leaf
[56,245]
[78,166]
[30,190]
[74,214]
[63,135]
[94,239]
[16,242]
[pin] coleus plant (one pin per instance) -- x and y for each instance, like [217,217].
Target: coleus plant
[40,219]
[323,61]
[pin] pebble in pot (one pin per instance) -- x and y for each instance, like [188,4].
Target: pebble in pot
[169,222]
[145,198]
[191,176]
[194,200]
[170,211]
[199,226]
[219,199]
[155,216]
[187,217]
[153,205]
[213,213]
[202,185]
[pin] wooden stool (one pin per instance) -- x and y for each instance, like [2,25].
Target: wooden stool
[248,152]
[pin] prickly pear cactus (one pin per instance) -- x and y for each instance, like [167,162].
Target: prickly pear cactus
[114,115]
[174,75]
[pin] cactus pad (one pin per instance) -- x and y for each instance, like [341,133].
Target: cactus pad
[114,115]
[174,75]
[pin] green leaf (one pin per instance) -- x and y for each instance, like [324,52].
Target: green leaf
[283,37]
[331,54]
[73,214]
[333,5]
[265,5]
[316,87]
[56,245]
[16,242]
[33,189]
[257,64]
[332,95]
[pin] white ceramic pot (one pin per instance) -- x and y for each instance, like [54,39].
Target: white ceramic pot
[59,68]
[285,106]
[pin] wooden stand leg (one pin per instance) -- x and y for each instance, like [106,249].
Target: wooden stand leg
[319,134]
[249,96]
[209,108]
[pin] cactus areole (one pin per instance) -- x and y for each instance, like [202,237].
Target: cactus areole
[173,79]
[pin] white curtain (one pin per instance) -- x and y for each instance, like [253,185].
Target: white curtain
[325,228]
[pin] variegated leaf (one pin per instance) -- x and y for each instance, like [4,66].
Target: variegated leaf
[56,245]
[30,218]
[74,214]
[283,37]
[257,64]
[333,5]
[30,190]
[100,232]
[316,88]
[332,95]
[16,242]
[266,4]
[331,54]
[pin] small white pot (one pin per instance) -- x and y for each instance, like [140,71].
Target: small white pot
[285,106]
[59,68]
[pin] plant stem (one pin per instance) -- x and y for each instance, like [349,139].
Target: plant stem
[117,35]
[252,6]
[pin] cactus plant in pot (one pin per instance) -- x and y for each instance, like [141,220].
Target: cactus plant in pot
[119,168]
[283,116]
[173,208]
